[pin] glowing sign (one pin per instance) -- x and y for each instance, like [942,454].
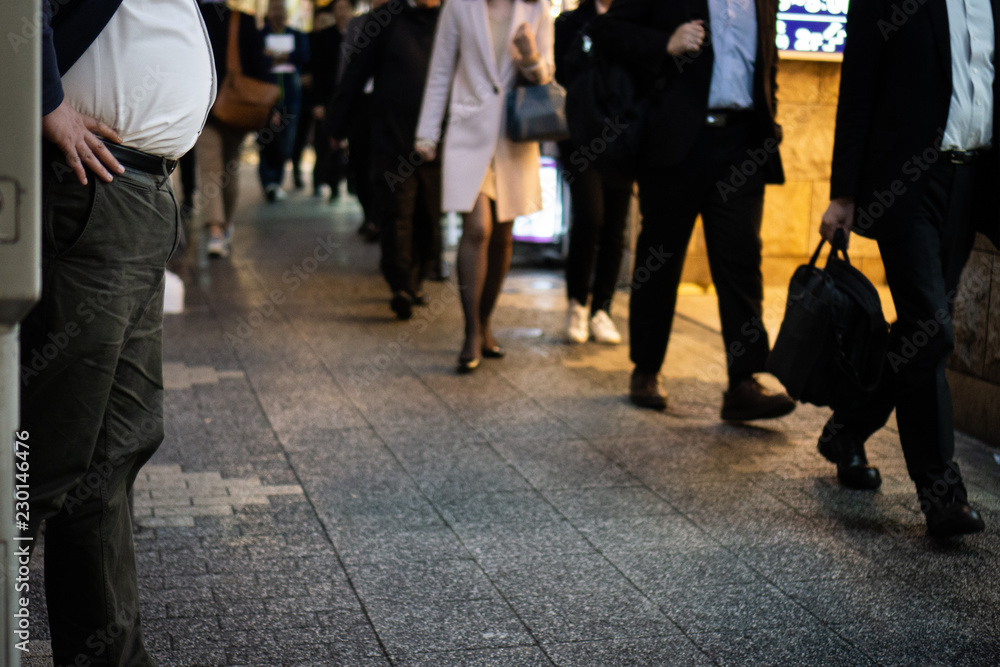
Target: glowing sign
[812,26]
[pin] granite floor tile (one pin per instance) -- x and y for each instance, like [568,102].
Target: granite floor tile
[733,608]
[518,656]
[459,625]
[809,645]
[605,615]
[440,581]
[643,652]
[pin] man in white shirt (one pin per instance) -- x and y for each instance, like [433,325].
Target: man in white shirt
[127,85]
[916,167]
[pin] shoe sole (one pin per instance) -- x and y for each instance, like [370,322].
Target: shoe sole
[774,413]
[860,487]
[956,531]
[648,403]
[402,307]
[467,367]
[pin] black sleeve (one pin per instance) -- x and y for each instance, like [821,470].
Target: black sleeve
[623,33]
[52,91]
[565,36]
[863,54]
[360,68]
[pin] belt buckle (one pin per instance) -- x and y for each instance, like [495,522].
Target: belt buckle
[963,156]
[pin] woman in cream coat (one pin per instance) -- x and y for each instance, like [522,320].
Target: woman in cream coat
[481,49]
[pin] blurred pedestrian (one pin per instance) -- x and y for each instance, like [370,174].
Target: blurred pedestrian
[600,207]
[217,152]
[94,407]
[486,177]
[708,68]
[357,156]
[326,46]
[286,52]
[407,193]
[915,166]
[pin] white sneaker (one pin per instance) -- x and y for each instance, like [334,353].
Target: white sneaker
[576,323]
[603,329]
[274,193]
[217,247]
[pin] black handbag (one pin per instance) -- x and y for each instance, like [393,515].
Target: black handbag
[537,113]
[833,339]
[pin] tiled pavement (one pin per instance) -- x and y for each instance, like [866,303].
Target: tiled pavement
[331,493]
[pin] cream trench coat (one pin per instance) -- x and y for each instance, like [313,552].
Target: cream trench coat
[464,79]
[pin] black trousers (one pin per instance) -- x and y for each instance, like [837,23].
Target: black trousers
[92,399]
[360,172]
[596,238]
[924,255]
[408,211]
[731,205]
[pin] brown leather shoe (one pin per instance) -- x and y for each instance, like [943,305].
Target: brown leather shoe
[749,400]
[644,391]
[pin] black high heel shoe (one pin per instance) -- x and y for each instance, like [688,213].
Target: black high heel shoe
[467,366]
[495,352]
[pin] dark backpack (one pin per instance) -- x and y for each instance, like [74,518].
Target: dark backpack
[605,112]
[833,339]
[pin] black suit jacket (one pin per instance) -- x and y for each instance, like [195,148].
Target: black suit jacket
[637,32]
[568,26]
[895,93]
[398,58]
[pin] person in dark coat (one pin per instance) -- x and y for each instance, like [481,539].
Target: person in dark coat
[407,192]
[708,68]
[600,206]
[916,167]
[358,151]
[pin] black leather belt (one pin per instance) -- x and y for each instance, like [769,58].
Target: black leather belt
[964,157]
[726,117]
[144,162]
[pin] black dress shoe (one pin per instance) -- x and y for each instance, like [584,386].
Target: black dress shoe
[402,305]
[467,366]
[644,391]
[495,352]
[847,450]
[419,299]
[749,400]
[954,519]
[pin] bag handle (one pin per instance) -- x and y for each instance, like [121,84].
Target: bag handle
[839,244]
[233,48]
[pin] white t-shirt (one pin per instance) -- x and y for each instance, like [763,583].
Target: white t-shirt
[150,75]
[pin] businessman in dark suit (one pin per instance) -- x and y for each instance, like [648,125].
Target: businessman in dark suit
[711,143]
[915,166]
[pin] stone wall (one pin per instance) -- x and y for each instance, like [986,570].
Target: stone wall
[807,109]
[974,369]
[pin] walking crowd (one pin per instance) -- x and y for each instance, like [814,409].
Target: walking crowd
[407,102]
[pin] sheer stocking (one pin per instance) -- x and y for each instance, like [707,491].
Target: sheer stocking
[484,254]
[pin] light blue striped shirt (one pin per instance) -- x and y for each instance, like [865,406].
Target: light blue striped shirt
[734,45]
